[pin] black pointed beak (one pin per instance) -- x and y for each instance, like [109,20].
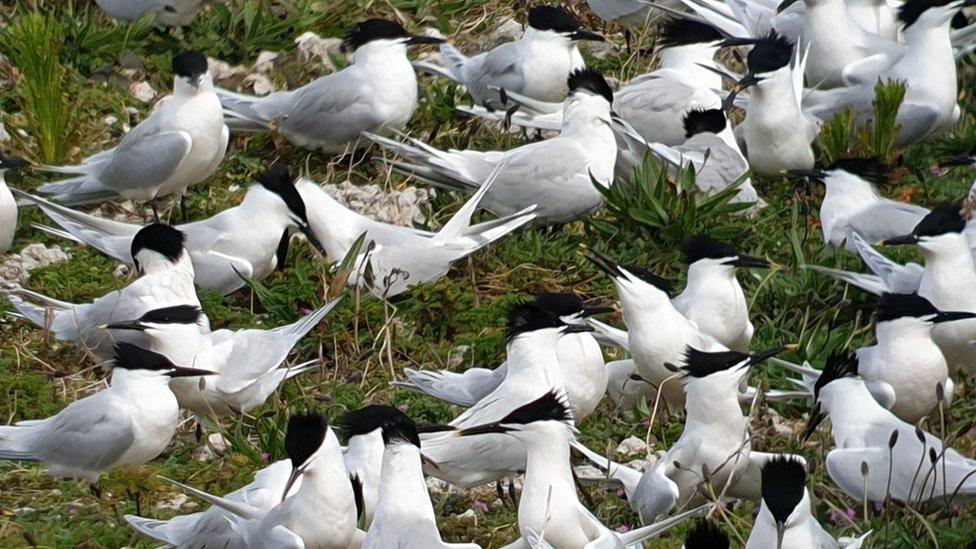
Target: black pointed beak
[816,175]
[785,4]
[750,79]
[604,263]
[296,473]
[312,239]
[900,240]
[594,311]
[760,356]
[482,430]
[583,34]
[816,418]
[732,41]
[750,262]
[576,329]
[191,372]
[964,160]
[421,39]
[133,325]
[951,316]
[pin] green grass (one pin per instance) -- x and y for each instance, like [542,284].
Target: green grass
[367,342]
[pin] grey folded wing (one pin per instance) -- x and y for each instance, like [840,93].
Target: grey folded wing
[145,161]
[500,67]
[336,107]
[89,434]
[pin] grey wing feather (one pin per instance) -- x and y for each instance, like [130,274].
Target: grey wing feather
[500,67]
[887,219]
[145,162]
[88,434]
[337,104]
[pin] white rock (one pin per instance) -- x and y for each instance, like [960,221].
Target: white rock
[121,271]
[218,442]
[507,31]
[221,70]
[632,445]
[142,91]
[175,503]
[4,136]
[311,46]
[110,120]
[265,61]
[437,486]
[260,83]
[203,453]
[16,268]
[468,517]
[399,207]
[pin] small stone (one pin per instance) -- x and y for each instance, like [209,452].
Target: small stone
[265,61]
[218,442]
[260,83]
[631,445]
[121,271]
[437,486]
[4,136]
[16,268]
[507,31]
[110,120]
[221,70]
[175,503]
[468,517]
[234,188]
[203,453]
[24,511]
[142,91]
[311,45]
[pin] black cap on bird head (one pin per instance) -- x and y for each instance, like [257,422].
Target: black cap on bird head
[771,53]
[701,364]
[873,169]
[177,314]
[680,31]
[190,65]
[698,121]
[373,29]
[304,436]
[552,406]
[621,272]
[127,356]
[943,219]
[279,180]
[530,316]
[11,163]
[590,81]
[564,304]
[895,306]
[700,247]
[160,238]
[706,535]
[838,366]
[553,18]
[395,425]
[911,10]
[784,481]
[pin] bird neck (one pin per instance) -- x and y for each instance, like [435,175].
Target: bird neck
[713,400]
[535,38]
[850,407]
[703,277]
[775,91]
[948,267]
[850,186]
[403,490]
[380,54]
[533,353]
[688,60]
[547,465]
[903,331]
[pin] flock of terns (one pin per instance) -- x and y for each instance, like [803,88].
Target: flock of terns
[804,62]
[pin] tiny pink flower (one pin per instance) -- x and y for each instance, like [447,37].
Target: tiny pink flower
[646,422]
[623,528]
[936,171]
[403,407]
[480,505]
[265,457]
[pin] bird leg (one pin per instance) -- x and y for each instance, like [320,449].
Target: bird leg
[96,490]
[154,203]
[183,208]
[583,490]
[198,432]
[499,490]
[627,36]
[137,498]
[511,492]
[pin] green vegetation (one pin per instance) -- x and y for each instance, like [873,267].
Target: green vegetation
[457,322]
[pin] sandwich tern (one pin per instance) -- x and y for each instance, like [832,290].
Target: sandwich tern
[249,240]
[556,175]
[165,280]
[129,423]
[181,143]
[535,66]
[169,13]
[316,507]
[8,206]
[580,360]
[376,93]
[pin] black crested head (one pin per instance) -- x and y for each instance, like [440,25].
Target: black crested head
[394,423]
[304,436]
[374,29]
[911,10]
[529,317]
[11,163]
[189,64]
[160,238]
[705,247]
[701,364]
[872,169]
[133,357]
[560,304]
[278,180]
[592,82]
[894,306]
[943,219]
[648,277]
[678,31]
[771,53]
[177,314]
[698,121]
[958,21]
[838,366]
[706,535]
[553,18]
[551,406]
[783,483]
